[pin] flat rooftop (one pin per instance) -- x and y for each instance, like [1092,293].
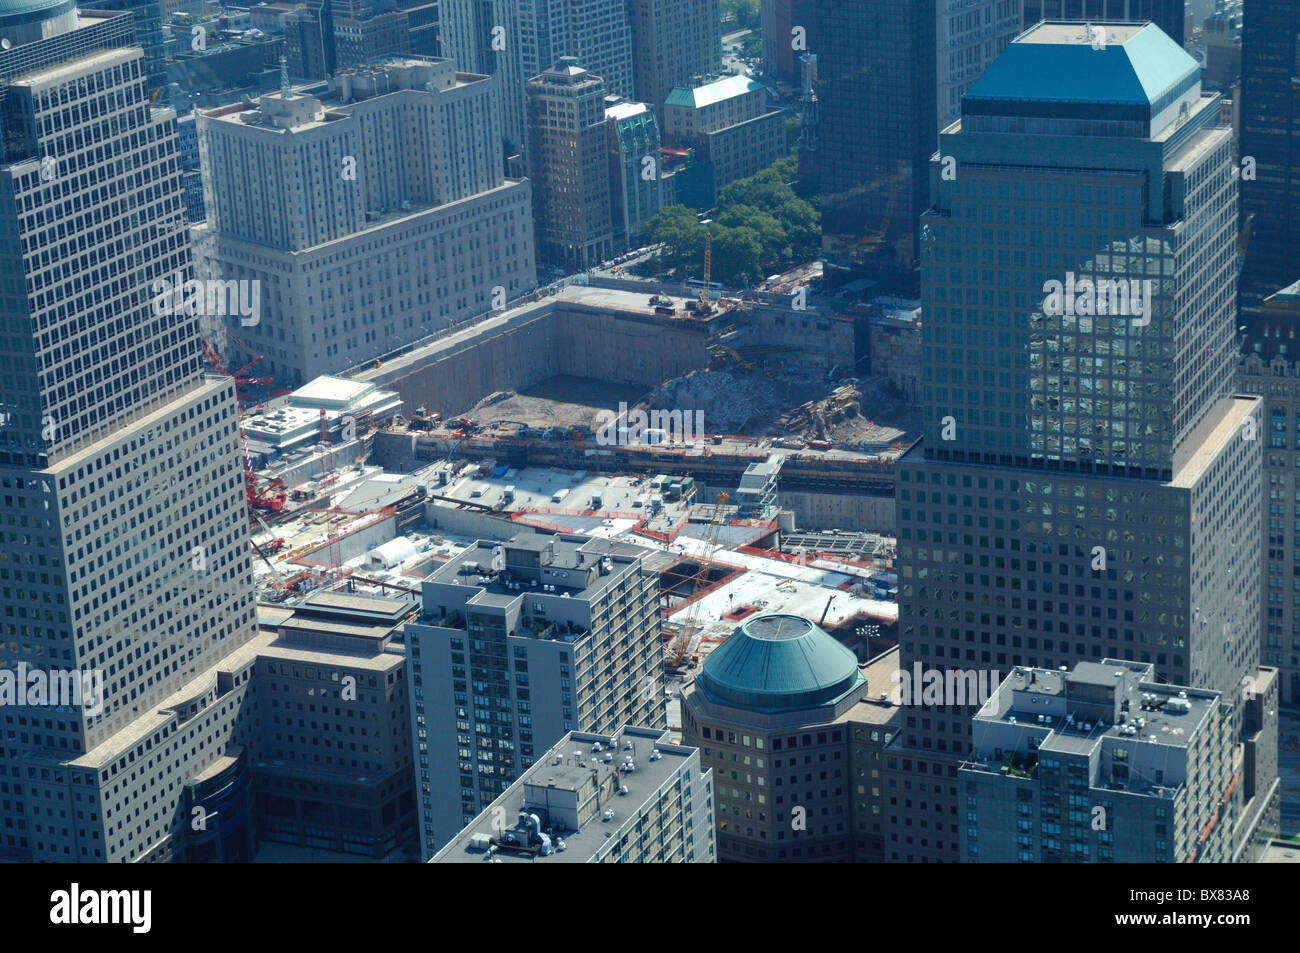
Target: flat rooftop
[568,764]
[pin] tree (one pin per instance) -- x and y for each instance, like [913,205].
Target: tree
[791,134]
[770,231]
[678,228]
[737,254]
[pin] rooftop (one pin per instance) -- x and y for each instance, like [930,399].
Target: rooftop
[779,663]
[711,93]
[1054,62]
[557,790]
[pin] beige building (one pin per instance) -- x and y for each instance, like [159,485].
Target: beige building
[729,124]
[785,717]
[674,43]
[570,155]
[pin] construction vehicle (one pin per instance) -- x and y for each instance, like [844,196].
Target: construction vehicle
[679,655]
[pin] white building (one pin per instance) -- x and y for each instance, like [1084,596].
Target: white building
[380,215]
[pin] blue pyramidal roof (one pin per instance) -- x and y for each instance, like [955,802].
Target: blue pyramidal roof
[779,663]
[1062,63]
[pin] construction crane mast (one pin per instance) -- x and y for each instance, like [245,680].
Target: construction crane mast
[678,655]
[705,304]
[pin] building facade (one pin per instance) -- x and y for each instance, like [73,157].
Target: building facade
[1269,150]
[968,37]
[516,40]
[636,187]
[1099,764]
[782,46]
[1268,367]
[729,125]
[111,431]
[1070,500]
[381,217]
[571,185]
[877,98]
[783,715]
[630,797]
[674,43]
[520,642]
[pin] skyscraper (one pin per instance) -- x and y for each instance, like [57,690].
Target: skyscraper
[566,123]
[129,563]
[968,37]
[636,190]
[1089,486]
[1270,149]
[876,87]
[779,20]
[1169,15]
[674,43]
[515,40]
[1270,365]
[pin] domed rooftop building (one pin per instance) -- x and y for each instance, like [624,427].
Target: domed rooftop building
[22,21]
[779,663]
[782,713]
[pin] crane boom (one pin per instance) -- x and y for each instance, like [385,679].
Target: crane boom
[679,650]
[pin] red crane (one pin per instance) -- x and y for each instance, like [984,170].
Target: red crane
[241,380]
[273,497]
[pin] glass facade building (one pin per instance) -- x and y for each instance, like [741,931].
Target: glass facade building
[1270,138]
[877,92]
[1088,486]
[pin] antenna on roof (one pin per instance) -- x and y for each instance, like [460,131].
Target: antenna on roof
[284,76]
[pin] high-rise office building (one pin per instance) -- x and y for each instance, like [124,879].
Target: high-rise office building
[968,37]
[1169,15]
[332,766]
[1270,365]
[1102,763]
[515,40]
[520,642]
[362,33]
[422,21]
[372,216]
[147,25]
[570,146]
[1269,149]
[309,40]
[876,91]
[782,45]
[118,456]
[630,797]
[1089,486]
[674,43]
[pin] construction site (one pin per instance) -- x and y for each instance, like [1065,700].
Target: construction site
[762,480]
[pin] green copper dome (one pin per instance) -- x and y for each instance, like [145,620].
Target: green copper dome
[25,11]
[777,663]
